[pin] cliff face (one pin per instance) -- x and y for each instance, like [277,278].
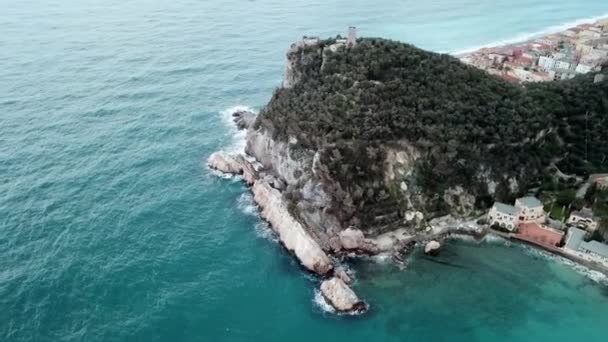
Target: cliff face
[383,135]
[379,195]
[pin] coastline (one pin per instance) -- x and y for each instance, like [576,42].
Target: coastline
[524,37]
[595,266]
[316,238]
[557,53]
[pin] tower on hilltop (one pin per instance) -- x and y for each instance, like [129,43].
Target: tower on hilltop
[352,36]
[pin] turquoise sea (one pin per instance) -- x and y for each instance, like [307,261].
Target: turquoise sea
[112,229]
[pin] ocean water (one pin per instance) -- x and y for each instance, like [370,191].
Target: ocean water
[112,229]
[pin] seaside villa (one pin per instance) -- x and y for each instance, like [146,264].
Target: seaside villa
[530,209]
[526,210]
[503,215]
[575,242]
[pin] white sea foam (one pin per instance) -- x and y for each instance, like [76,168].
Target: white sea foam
[488,238]
[525,36]
[595,276]
[223,175]
[381,258]
[320,302]
[263,230]
[247,205]
[237,145]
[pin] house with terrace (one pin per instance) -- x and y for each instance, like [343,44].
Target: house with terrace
[526,210]
[503,215]
[530,210]
[583,219]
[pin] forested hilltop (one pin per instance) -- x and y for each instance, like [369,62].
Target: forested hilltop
[470,129]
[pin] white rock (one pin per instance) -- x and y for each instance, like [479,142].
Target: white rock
[341,273]
[341,297]
[291,232]
[351,238]
[234,164]
[432,247]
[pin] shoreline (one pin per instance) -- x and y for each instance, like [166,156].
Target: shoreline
[524,37]
[557,53]
[560,252]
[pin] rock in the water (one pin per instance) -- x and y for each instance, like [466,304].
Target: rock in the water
[291,233]
[244,119]
[234,164]
[342,297]
[432,248]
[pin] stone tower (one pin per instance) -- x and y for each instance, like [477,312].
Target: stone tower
[598,78]
[352,36]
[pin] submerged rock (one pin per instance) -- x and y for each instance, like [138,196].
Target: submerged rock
[432,248]
[341,297]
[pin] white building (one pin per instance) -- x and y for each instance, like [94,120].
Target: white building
[530,210]
[503,215]
[591,33]
[546,63]
[562,65]
[583,219]
[583,69]
[595,57]
[576,241]
[526,210]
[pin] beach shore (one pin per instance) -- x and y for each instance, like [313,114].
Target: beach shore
[561,55]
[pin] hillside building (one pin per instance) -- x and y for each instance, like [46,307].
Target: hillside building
[584,219]
[576,241]
[526,210]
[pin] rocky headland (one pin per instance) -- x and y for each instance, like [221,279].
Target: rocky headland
[361,153]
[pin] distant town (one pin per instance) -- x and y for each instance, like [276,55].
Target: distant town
[559,56]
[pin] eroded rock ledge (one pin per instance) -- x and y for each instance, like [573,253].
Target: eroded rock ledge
[292,234]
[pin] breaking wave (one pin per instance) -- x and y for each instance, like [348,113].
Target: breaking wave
[488,238]
[321,303]
[238,140]
[595,276]
[247,205]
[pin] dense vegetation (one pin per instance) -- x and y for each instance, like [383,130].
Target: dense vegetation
[462,119]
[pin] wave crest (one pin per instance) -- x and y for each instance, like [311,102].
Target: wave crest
[237,144]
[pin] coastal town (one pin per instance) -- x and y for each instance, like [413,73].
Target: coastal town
[565,230]
[575,236]
[559,56]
